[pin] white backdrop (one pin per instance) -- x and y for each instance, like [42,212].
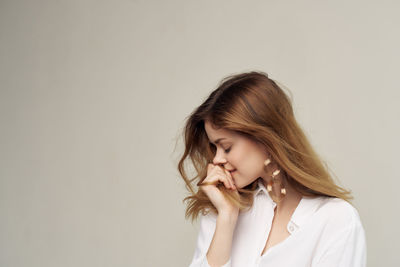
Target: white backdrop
[94,94]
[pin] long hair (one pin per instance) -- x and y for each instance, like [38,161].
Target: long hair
[253,105]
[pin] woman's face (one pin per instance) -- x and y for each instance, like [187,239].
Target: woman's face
[240,155]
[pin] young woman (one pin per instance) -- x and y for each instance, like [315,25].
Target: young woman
[264,196]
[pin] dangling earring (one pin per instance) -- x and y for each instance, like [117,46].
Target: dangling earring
[273,181]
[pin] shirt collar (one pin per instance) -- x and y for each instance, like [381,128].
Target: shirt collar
[261,188]
[305,209]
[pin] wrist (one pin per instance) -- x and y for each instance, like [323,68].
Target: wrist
[227,217]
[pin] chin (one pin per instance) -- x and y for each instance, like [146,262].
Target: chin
[248,183]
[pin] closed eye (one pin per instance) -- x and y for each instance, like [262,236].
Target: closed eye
[213,148]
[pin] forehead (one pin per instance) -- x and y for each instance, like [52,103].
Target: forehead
[214,133]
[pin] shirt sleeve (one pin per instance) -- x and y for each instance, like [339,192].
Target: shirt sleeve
[205,235]
[346,249]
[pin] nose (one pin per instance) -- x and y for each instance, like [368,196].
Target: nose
[219,159]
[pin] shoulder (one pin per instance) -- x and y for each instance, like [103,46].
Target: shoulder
[338,214]
[342,241]
[338,209]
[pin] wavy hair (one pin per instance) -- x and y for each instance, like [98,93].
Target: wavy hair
[253,105]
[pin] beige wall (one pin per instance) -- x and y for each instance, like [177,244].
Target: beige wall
[93,94]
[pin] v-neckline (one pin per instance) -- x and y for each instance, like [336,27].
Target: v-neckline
[299,205]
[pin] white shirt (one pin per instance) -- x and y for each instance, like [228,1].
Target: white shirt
[324,232]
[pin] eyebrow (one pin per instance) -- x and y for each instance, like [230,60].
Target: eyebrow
[219,139]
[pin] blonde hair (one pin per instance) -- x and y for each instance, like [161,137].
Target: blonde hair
[253,105]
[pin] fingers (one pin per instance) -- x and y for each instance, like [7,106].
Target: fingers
[217,173]
[228,174]
[226,182]
[225,176]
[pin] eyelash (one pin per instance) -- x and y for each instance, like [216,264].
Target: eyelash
[226,150]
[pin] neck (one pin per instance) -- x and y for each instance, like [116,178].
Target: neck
[291,199]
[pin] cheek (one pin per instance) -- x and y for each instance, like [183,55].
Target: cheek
[239,159]
[250,163]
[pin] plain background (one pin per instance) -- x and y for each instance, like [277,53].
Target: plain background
[94,95]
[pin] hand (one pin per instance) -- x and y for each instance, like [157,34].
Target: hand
[215,175]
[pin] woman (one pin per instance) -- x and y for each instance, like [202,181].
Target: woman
[264,196]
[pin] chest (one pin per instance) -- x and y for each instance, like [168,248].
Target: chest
[278,233]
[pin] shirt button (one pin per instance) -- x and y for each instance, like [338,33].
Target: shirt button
[291,227]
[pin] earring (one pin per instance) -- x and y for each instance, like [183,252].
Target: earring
[273,181]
